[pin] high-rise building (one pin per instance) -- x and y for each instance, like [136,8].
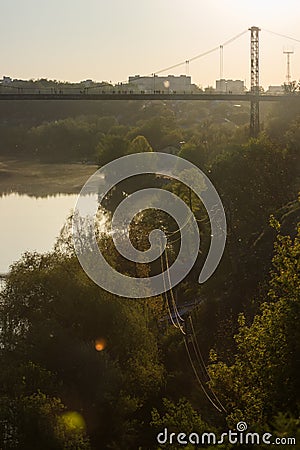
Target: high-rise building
[230,86]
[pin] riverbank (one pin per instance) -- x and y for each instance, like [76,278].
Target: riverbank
[40,179]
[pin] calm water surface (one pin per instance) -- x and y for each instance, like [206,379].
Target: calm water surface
[30,224]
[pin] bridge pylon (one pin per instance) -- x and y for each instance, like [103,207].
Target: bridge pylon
[254,55]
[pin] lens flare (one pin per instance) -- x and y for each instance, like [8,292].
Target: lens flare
[100,344]
[73,421]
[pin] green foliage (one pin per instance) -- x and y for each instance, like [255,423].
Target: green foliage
[177,418]
[52,315]
[52,378]
[37,421]
[264,378]
[196,152]
[66,140]
[253,181]
[287,426]
[139,145]
[110,148]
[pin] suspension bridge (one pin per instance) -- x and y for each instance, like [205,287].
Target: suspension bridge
[108,93]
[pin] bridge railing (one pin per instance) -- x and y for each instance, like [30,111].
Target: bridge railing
[86,92]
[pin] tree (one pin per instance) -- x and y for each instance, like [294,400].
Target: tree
[178,418]
[263,379]
[40,421]
[52,315]
[139,145]
[110,148]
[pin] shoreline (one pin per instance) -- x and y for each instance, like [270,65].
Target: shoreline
[42,179]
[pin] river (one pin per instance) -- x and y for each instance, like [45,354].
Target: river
[30,224]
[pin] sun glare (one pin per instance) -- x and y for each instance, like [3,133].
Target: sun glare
[100,344]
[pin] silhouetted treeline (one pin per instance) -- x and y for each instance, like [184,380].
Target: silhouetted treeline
[71,131]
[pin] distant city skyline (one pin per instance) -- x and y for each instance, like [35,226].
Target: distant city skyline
[109,41]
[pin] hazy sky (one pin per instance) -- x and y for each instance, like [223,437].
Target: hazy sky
[108,40]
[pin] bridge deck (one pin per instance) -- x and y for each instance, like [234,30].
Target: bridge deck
[165,96]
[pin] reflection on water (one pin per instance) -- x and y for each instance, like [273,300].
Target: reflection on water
[30,224]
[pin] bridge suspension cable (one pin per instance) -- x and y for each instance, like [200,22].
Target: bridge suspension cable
[281,35]
[200,55]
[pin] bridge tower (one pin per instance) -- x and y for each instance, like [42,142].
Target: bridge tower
[254,55]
